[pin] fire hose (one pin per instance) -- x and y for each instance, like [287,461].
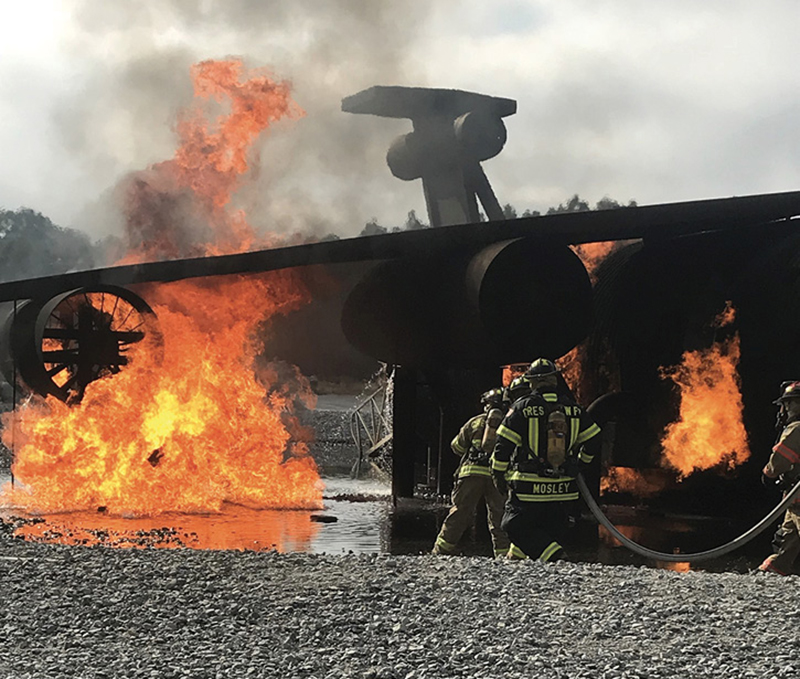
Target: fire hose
[694,557]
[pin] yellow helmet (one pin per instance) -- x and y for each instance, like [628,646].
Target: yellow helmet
[518,388]
[492,398]
[541,367]
[789,390]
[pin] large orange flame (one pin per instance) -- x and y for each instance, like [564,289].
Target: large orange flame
[709,431]
[201,428]
[182,206]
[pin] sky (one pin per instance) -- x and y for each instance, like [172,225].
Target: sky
[652,102]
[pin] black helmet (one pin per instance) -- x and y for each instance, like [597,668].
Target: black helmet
[492,398]
[518,388]
[789,390]
[541,367]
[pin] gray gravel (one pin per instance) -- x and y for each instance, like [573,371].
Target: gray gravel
[102,612]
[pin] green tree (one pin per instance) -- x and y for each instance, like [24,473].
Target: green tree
[31,245]
[606,203]
[509,211]
[574,204]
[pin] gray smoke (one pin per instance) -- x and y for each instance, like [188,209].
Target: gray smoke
[322,173]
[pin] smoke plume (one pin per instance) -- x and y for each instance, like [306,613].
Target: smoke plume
[316,174]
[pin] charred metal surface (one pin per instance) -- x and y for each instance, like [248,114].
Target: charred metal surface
[499,305]
[57,347]
[450,304]
[453,132]
[423,102]
[656,300]
[649,303]
[654,222]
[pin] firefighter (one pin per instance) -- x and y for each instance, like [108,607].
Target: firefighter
[783,470]
[543,442]
[474,444]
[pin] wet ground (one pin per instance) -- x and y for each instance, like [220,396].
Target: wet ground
[353,519]
[359,516]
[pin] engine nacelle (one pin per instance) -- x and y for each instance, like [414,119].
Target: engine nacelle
[58,346]
[509,302]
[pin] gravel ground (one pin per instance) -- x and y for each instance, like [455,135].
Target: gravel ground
[102,612]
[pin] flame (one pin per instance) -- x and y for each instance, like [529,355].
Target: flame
[210,424]
[186,435]
[592,254]
[637,482]
[709,431]
[182,207]
[571,367]
[513,371]
[677,566]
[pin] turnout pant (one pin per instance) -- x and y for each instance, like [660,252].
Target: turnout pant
[783,560]
[467,493]
[536,529]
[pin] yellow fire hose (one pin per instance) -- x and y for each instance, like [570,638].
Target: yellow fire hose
[695,557]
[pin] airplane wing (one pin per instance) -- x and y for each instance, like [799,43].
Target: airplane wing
[663,221]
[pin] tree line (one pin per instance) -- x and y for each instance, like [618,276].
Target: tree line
[573,204]
[32,245]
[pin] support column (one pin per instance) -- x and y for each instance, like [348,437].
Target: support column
[404,436]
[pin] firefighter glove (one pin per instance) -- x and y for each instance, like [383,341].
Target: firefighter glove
[572,466]
[768,481]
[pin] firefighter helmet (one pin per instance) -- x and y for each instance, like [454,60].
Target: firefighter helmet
[789,390]
[492,398]
[518,388]
[541,367]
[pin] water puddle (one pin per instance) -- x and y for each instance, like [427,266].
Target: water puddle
[359,517]
[352,520]
[676,535]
